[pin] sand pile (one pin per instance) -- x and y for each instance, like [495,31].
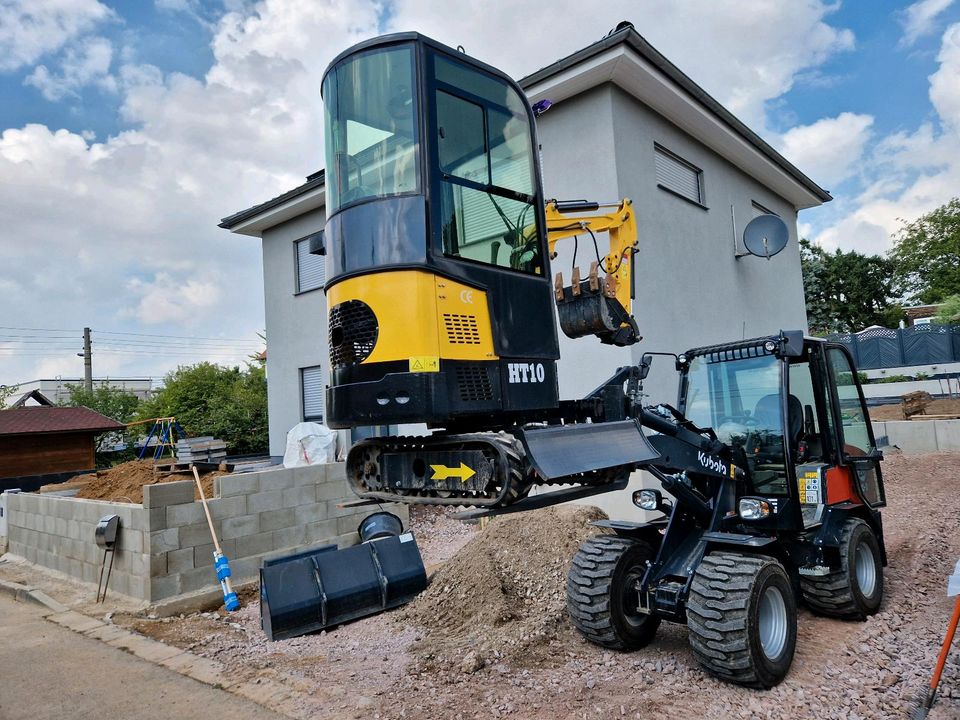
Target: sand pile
[124,483]
[502,596]
[941,406]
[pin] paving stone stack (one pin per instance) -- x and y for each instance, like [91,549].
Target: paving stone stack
[201,449]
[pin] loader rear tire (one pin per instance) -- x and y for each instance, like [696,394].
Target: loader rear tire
[602,600]
[742,617]
[855,590]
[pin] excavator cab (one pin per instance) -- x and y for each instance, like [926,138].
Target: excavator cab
[439,296]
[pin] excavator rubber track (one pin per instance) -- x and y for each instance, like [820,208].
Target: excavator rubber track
[475,469]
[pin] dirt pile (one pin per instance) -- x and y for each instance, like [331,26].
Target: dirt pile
[943,406]
[502,596]
[124,483]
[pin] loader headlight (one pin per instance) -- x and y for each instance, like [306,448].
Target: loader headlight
[769,346]
[647,499]
[754,508]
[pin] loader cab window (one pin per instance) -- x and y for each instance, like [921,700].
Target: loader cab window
[740,399]
[485,178]
[853,418]
[370,122]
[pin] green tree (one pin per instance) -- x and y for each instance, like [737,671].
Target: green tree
[209,399]
[113,402]
[926,255]
[847,291]
[6,392]
[950,312]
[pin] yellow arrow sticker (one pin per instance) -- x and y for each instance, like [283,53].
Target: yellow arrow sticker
[442,472]
[424,363]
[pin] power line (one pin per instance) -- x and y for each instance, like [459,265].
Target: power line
[177,337]
[5,327]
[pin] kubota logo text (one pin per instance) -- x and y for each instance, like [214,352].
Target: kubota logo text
[711,463]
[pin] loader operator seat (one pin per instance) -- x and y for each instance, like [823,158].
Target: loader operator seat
[767,415]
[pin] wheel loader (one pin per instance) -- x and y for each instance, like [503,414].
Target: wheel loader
[441,304]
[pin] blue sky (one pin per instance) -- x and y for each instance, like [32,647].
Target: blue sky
[127,129]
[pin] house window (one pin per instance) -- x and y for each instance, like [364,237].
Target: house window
[676,175]
[311,269]
[312,390]
[759,210]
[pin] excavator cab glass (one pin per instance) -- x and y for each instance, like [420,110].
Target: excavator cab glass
[430,158]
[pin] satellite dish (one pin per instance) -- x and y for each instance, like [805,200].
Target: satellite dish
[765,236]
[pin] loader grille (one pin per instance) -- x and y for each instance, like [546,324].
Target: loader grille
[353,333]
[461,329]
[474,384]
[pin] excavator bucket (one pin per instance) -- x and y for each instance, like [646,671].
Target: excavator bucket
[566,450]
[326,587]
[589,307]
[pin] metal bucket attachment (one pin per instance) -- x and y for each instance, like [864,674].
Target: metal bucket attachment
[586,308]
[379,525]
[322,588]
[563,450]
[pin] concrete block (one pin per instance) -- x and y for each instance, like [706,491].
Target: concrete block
[347,540]
[913,436]
[60,525]
[333,490]
[250,545]
[164,587]
[140,587]
[139,519]
[309,475]
[203,554]
[263,501]
[241,526]
[131,540]
[187,514]
[49,524]
[280,479]
[246,567]
[321,532]
[290,537]
[157,518]
[158,564]
[277,519]
[179,561]
[879,429]
[948,434]
[226,507]
[243,484]
[73,529]
[303,495]
[199,534]
[312,512]
[164,540]
[91,573]
[172,493]
[348,523]
[197,579]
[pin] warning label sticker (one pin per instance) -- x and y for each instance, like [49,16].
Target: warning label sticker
[810,488]
[424,363]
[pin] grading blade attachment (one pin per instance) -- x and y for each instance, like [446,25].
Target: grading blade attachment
[562,451]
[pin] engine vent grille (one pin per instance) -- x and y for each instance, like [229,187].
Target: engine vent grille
[474,384]
[461,329]
[353,332]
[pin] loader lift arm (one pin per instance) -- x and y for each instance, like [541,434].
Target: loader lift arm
[601,303]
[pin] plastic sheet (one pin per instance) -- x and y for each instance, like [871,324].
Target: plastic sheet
[310,443]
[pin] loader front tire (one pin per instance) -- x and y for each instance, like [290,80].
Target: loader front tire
[742,617]
[856,589]
[602,597]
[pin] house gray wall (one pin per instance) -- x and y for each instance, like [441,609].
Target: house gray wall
[296,325]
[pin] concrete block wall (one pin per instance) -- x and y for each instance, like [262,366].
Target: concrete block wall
[58,533]
[165,546]
[915,437]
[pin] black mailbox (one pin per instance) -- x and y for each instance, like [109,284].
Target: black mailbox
[107,530]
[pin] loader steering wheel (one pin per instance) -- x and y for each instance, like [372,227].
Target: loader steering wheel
[358,191]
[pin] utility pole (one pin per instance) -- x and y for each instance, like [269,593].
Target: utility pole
[87,361]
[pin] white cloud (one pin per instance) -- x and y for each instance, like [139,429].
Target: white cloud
[120,232]
[29,29]
[88,63]
[919,19]
[909,173]
[829,150]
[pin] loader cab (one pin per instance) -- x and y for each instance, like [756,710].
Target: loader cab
[436,238]
[795,415]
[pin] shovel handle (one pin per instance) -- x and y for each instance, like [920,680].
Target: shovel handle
[947,641]
[206,510]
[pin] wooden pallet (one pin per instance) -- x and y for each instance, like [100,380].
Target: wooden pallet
[175,468]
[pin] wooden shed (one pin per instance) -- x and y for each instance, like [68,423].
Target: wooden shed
[41,445]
